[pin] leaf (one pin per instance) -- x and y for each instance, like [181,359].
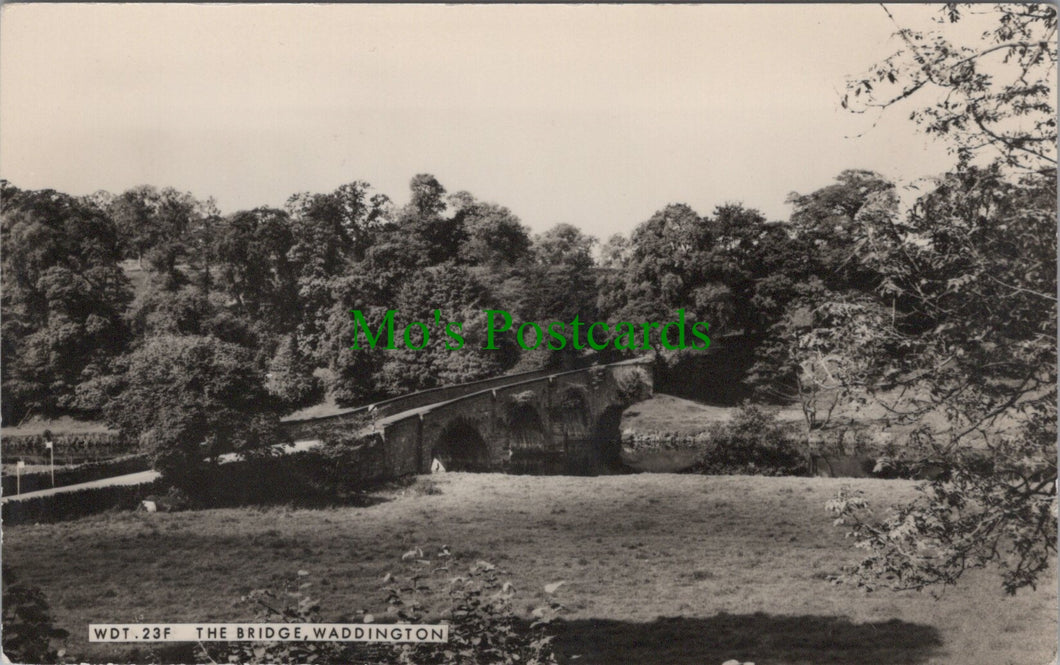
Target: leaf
[554,586]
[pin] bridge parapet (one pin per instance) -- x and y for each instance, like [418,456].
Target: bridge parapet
[304,428]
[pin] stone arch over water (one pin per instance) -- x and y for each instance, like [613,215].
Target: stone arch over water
[528,442]
[571,415]
[460,447]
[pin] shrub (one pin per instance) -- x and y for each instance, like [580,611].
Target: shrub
[632,386]
[28,629]
[292,604]
[309,477]
[71,505]
[483,629]
[753,443]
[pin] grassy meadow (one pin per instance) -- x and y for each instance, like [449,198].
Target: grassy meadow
[658,569]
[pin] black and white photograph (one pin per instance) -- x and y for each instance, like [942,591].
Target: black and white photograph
[529,334]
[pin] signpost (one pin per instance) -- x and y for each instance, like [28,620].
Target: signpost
[51,455]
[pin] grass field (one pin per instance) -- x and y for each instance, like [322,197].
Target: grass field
[679,415]
[659,569]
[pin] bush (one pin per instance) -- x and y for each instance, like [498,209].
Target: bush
[71,505]
[338,471]
[632,386]
[483,629]
[27,627]
[291,604]
[307,478]
[753,443]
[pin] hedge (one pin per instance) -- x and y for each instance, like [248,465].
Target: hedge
[311,477]
[69,448]
[82,473]
[71,505]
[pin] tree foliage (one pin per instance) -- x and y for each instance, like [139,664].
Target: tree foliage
[166,227]
[28,628]
[64,296]
[971,277]
[189,399]
[995,94]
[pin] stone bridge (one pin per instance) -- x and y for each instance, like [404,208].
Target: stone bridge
[535,422]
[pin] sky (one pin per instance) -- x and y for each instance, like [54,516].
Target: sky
[594,115]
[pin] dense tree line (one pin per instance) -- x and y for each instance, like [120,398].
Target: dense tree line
[275,287]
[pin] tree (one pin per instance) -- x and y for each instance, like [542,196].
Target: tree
[708,265]
[810,296]
[352,370]
[290,378]
[494,237]
[826,226]
[555,282]
[63,297]
[458,296]
[191,311]
[823,354]
[992,95]
[615,252]
[166,227]
[971,278]
[252,249]
[333,229]
[430,237]
[188,399]
[660,271]
[564,244]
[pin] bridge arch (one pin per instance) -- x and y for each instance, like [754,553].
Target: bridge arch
[525,426]
[460,447]
[527,438]
[571,414]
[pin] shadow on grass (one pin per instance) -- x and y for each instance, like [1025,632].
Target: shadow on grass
[762,638]
[296,480]
[306,500]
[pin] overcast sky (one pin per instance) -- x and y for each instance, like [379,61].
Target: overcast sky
[593,115]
